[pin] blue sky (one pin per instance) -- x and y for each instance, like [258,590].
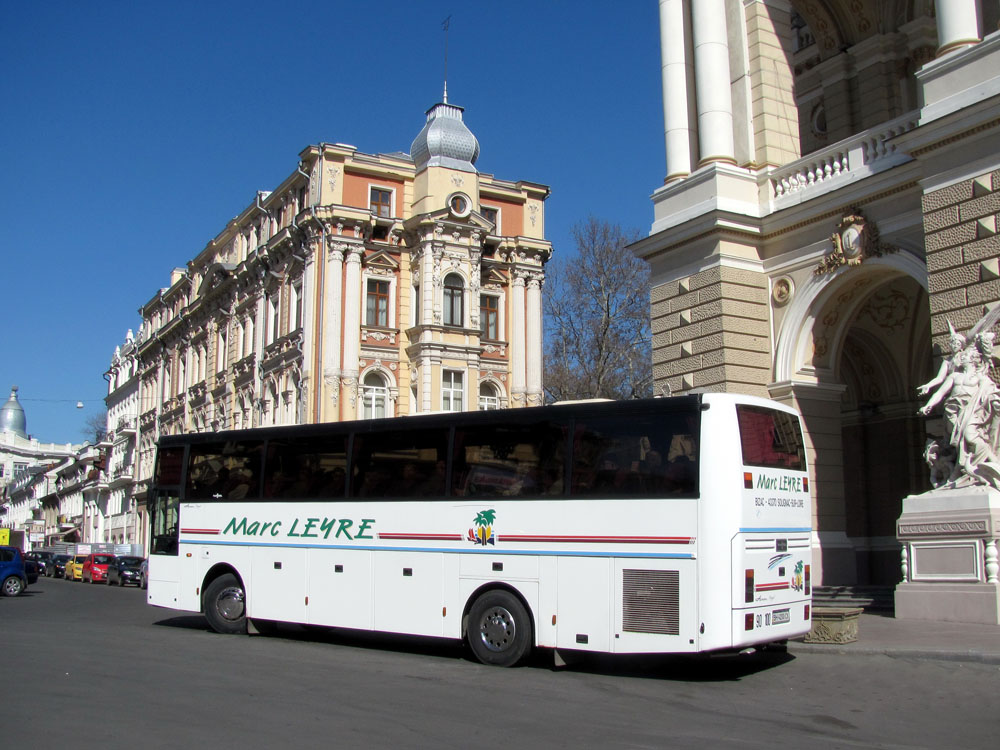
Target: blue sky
[131,132]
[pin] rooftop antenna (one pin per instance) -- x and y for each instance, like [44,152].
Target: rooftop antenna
[446,24]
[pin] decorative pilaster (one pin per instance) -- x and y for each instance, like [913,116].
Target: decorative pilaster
[331,324]
[533,342]
[676,74]
[712,81]
[957,25]
[518,323]
[352,329]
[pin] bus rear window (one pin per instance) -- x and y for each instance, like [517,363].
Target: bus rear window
[770,438]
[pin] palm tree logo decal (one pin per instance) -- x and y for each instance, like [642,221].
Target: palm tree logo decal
[797,579]
[482,534]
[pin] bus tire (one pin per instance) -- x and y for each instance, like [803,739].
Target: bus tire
[499,630]
[225,605]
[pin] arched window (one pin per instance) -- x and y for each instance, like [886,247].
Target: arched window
[374,396]
[454,292]
[489,399]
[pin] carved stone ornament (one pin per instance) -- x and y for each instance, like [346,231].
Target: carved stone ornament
[782,291]
[855,240]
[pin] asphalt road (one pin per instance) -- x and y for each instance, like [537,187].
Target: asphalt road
[91,666]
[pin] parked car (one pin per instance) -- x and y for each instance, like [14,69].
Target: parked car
[125,569]
[144,574]
[31,571]
[13,578]
[42,559]
[57,568]
[95,567]
[74,568]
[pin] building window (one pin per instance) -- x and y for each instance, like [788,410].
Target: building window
[377,303]
[492,215]
[374,396]
[416,305]
[296,307]
[454,290]
[272,318]
[489,399]
[451,391]
[220,359]
[489,316]
[380,201]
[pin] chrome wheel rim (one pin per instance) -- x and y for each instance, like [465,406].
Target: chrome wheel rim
[230,603]
[498,629]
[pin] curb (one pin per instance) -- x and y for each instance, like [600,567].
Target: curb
[970,656]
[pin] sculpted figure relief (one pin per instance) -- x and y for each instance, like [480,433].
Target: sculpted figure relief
[971,404]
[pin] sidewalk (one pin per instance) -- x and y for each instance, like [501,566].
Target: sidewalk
[922,639]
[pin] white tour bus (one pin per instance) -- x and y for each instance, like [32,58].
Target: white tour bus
[663,525]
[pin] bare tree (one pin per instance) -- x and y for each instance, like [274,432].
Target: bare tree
[598,342]
[95,427]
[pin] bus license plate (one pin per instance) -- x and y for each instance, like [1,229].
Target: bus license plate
[779,617]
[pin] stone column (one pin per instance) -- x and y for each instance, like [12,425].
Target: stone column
[676,73]
[712,81]
[957,24]
[352,332]
[517,339]
[331,324]
[533,341]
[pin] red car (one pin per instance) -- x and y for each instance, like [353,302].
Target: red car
[95,567]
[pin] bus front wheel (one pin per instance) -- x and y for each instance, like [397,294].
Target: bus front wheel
[499,631]
[225,605]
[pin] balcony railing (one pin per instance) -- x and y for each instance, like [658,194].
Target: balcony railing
[853,158]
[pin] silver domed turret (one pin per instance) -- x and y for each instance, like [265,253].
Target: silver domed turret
[12,416]
[445,141]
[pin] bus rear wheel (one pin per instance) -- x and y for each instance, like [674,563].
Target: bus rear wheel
[499,630]
[225,605]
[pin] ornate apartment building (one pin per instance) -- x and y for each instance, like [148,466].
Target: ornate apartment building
[365,285]
[830,203]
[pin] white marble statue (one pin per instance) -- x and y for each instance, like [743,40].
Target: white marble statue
[971,405]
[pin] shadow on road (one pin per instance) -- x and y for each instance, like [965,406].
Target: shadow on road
[684,668]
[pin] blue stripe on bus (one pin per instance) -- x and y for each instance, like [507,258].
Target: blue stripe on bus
[776,530]
[540,553]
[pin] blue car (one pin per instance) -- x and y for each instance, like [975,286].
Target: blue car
[13,576]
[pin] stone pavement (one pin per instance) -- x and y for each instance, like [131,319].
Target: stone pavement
[921,639]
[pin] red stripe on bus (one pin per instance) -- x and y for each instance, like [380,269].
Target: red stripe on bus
[598,539]
[423,537]
[772,586]
[200,531]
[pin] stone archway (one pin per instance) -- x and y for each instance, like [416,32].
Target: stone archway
[884,357]
[849,353]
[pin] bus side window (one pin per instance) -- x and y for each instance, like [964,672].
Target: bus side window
[513,461]
[400,464]
[634,456]
[305,468]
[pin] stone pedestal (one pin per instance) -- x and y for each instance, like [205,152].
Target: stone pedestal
[950,563]
[834,625]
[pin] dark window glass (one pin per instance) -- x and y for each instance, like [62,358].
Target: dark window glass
[163,524]
[381,202]
[770,438]
[168,465]
[524,460]
[377,308]
[224,471]
[454,289]
[491,215]
[400,464]
[306,468]
[489,316]
[641,455]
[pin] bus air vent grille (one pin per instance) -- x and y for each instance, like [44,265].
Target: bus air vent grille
[651,601]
